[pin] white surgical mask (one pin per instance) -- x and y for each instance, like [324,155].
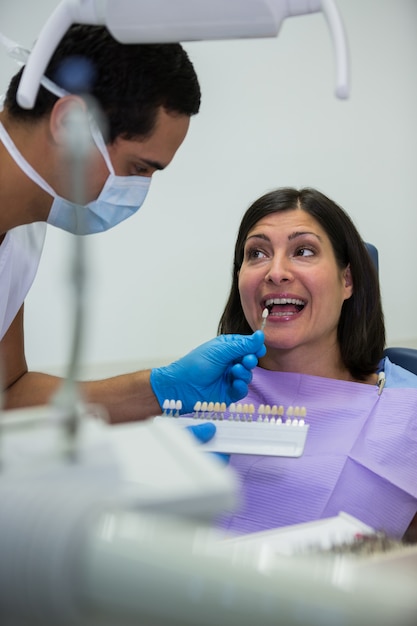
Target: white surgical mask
[120,197]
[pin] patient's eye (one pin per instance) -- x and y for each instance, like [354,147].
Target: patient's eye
[254,253]
[304,251]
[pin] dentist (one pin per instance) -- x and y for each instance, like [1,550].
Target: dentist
[147,95]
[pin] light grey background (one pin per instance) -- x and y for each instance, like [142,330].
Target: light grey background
[269,118]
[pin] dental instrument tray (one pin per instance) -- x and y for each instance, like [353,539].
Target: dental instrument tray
[240,429]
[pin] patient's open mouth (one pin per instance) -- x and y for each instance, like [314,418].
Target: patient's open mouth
[284,306]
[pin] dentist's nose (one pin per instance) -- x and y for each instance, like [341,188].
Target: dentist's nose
[279,270]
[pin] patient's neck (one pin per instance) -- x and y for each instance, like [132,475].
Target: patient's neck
[301,360]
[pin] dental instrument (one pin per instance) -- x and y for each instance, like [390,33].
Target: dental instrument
[381,382]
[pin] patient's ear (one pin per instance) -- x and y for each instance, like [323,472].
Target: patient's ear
[347,277]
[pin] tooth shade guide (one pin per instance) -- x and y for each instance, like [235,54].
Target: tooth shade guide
[265,314]
[220,407]
[223,408]
[240,412]
[267,413]
[261,411]
[289,413]
[197,408]
[171,407]
[239,409]
[238,432]
[251,412]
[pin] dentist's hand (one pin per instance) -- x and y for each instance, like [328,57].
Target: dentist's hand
[204,432]
[217,371]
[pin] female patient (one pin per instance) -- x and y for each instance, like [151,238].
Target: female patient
[299,255]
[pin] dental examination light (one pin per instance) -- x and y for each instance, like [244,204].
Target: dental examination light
[161,21]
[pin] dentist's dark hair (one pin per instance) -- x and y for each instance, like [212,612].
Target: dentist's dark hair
[128,82]
[361,330]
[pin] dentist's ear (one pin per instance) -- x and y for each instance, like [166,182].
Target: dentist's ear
[63,113]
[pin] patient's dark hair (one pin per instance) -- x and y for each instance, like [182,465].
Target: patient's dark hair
[129,82]
[361,331]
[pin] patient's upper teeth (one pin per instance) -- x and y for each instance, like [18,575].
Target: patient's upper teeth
[272,301]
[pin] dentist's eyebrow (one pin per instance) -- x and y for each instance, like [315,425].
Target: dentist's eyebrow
[154,164]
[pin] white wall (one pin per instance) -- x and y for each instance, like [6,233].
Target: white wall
[269,118]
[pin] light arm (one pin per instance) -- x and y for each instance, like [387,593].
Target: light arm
[162,21]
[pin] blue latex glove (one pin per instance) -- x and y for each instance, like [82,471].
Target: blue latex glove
[217,371]
[204,432]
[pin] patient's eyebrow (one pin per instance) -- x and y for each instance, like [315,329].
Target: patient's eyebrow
[301,233]
[294,235]
[257,236]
